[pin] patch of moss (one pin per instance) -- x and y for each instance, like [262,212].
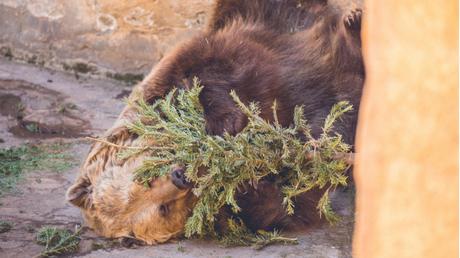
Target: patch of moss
[128,78]
[5,226]
[79,67]
[6,52]
[32,127]
[14,162]
[83,68]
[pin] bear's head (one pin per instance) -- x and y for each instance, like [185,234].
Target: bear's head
[116,206]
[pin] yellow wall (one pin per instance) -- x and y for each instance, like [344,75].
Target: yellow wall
[407,168]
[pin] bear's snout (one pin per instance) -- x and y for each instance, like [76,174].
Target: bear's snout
[179,179]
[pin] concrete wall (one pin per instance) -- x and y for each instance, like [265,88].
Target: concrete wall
[101,37]
[407,143]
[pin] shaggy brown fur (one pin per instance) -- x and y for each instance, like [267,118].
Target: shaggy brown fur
[297,52]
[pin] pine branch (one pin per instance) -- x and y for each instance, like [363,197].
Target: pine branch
[173,131]
[113,144]
[348,158]
[239,235]
[57,241]
[127,147]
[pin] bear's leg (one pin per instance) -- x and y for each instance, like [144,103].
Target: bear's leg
[275,14]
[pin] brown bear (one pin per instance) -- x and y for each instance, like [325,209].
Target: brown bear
[297,52]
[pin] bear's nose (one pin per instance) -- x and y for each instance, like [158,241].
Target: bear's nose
[178,178]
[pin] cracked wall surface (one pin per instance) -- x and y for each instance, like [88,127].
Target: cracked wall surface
[103,37]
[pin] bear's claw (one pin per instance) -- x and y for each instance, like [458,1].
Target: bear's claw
[352,21]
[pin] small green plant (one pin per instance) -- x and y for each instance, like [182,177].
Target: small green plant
[177,126]
[58,241]
[17,160]
[238,235]
[32,127]
[5,226]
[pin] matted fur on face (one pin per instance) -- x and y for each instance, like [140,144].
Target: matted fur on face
[113,205]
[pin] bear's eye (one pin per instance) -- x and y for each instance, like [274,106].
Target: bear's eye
[164,209]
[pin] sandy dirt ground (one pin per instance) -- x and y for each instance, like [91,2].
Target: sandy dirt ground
[67,108]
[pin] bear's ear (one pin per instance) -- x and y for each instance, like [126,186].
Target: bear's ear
[79,194]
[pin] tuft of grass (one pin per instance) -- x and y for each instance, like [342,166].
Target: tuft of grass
[14,162]
[58,241]
[5,226]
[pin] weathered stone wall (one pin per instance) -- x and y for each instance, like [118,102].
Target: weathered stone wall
[115,38]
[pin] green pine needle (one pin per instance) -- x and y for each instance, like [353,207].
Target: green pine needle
[177,126]
[239,235]
[58,241]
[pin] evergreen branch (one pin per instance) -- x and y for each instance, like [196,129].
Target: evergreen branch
[113,144]
[239,235]
[174,129]
[348,158]
[129,147]
[265,238]
[336,112]
[57,241]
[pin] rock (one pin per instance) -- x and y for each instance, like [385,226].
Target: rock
[53,122]
[38,110]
